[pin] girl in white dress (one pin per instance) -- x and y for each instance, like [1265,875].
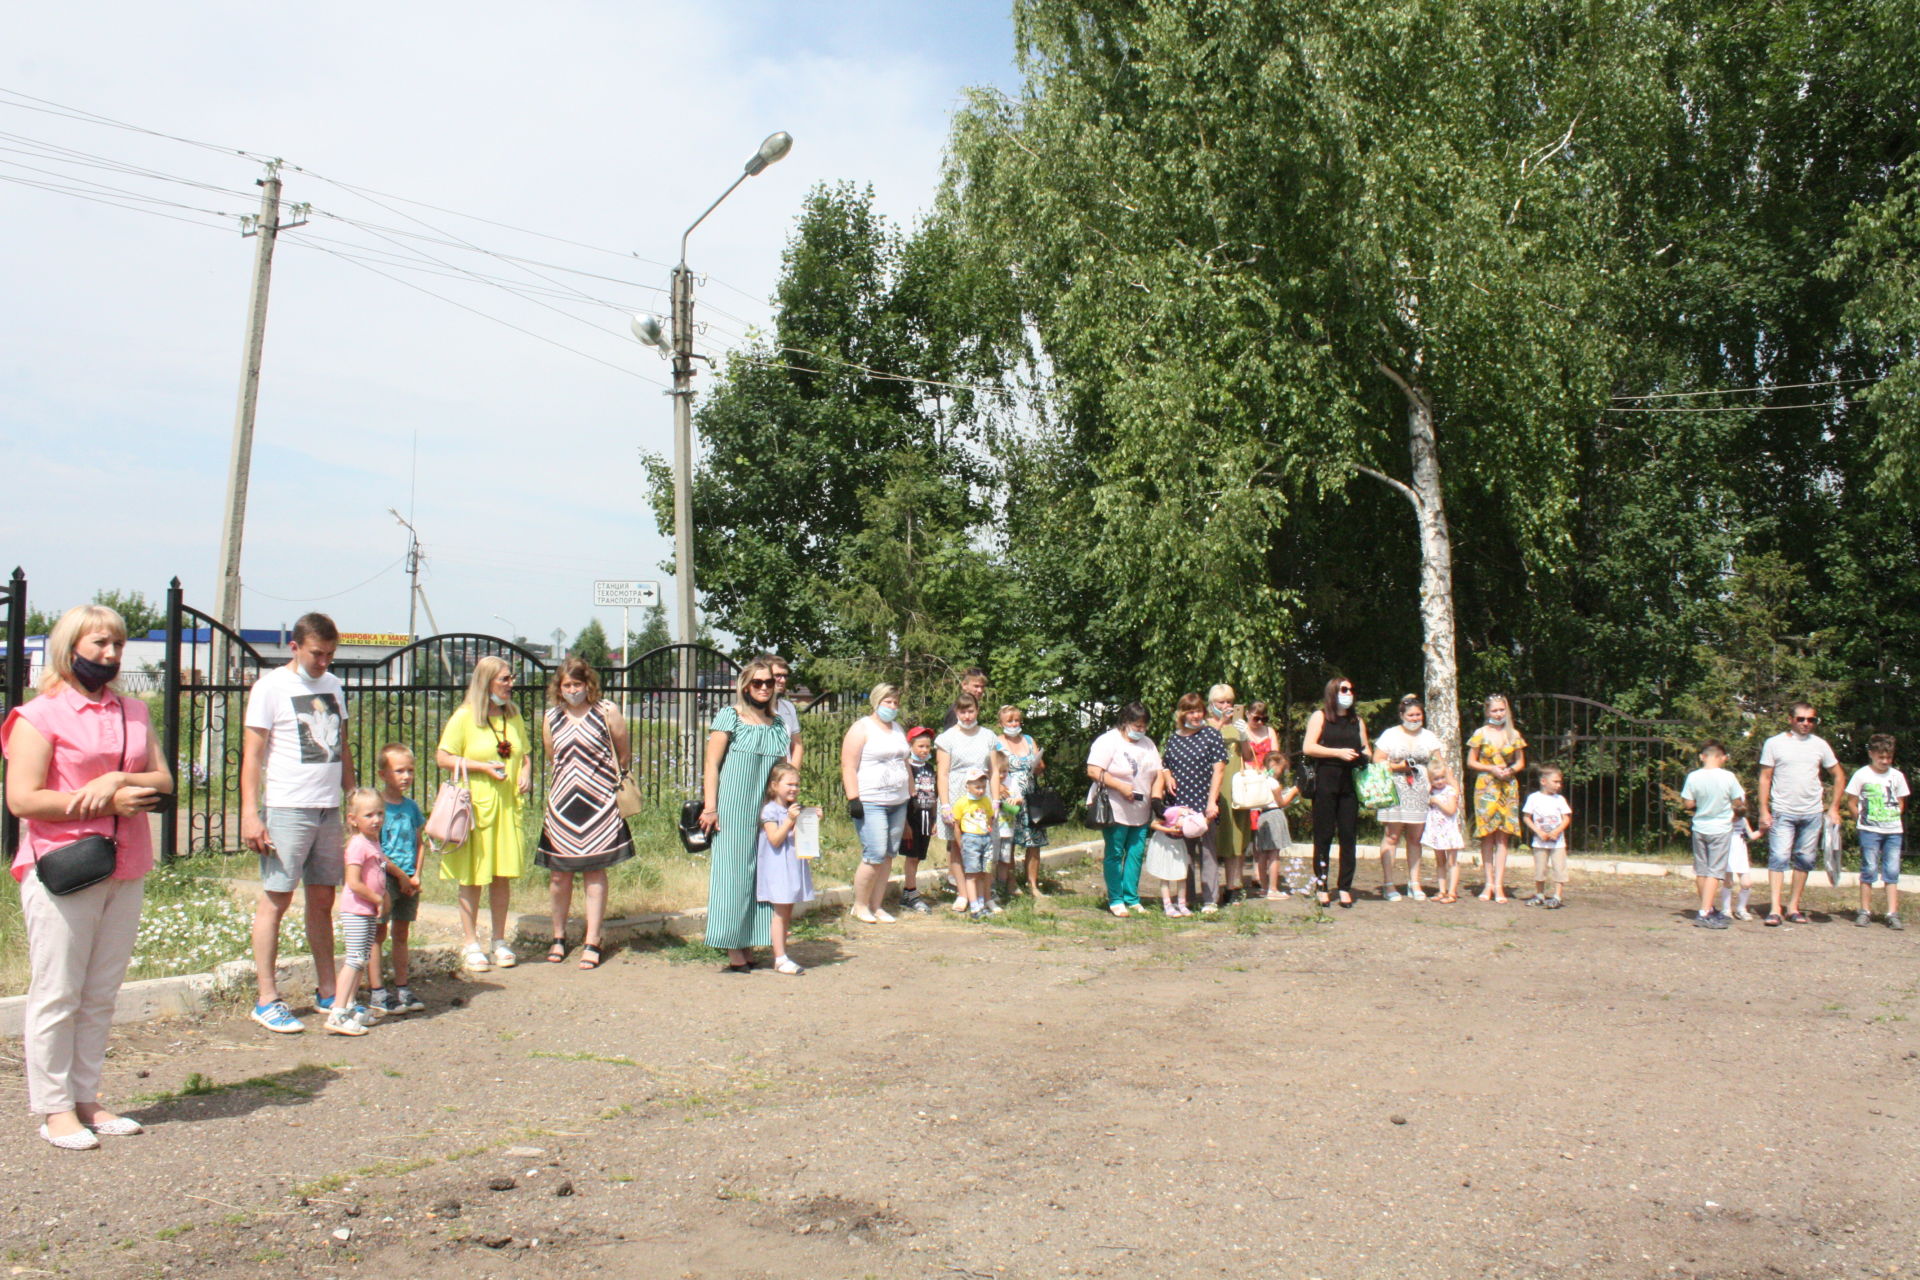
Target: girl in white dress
[1442,832]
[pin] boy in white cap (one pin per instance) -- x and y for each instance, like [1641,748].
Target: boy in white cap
[973,818]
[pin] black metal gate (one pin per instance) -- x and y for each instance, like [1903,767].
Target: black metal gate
[668,696]
[15,690]
[1615,766]
[209,670]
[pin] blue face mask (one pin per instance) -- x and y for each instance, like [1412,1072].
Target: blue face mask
[887,714]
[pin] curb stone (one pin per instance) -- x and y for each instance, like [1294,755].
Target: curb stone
[194,993]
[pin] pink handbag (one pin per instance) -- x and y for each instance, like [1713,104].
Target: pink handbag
[451,821]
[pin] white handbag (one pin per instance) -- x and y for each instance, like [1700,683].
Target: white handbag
[1252,789]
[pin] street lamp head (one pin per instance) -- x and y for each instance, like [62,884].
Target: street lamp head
[650,331]
[774,149]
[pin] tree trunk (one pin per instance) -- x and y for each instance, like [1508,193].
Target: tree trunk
[1436,568]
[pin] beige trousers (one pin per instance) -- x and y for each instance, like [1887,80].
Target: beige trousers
[79,945]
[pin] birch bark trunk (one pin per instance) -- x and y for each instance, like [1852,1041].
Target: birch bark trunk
[1436,566]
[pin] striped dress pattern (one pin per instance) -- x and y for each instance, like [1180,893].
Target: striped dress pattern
[735,915]
[583,830]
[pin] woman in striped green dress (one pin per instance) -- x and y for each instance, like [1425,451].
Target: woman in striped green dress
[746,741]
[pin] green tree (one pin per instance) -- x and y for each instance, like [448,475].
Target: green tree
[801,428]
[653,633]
[590,645]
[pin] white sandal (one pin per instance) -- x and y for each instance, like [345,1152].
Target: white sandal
[788,967]
[473,958]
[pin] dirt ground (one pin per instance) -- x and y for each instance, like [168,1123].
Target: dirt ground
[1405,1090]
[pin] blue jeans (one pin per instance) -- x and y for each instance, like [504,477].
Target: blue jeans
[1795,838]
[880,828]
[1880,857]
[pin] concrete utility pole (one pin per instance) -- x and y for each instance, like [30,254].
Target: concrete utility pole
[266,226]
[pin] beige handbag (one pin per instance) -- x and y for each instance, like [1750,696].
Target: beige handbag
[628,797]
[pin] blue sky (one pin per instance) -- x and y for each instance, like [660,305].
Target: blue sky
[607,124]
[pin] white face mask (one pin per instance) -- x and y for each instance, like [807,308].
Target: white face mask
[574,697]
[311,673]
[1343,700]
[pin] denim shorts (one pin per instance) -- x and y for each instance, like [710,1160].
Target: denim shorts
[880,828]
[307,848]
[1794,838]
[1880,857]
[976,854]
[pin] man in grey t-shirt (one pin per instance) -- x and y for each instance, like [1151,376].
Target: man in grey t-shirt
[1791,808]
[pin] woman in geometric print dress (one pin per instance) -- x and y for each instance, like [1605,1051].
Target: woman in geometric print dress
[746,741]
[584,834]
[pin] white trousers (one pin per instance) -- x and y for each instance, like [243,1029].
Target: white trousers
[79,945]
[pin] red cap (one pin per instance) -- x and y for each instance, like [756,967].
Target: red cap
[919,731]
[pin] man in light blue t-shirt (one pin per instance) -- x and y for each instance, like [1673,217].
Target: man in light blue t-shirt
[1716,797]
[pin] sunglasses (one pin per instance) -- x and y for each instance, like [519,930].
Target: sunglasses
[759,684]
[1345,688]
[1806,719]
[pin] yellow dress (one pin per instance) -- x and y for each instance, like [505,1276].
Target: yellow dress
[496,848]
[1496,801]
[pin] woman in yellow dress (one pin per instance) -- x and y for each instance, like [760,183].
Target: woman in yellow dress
[488,733]
[1498,753]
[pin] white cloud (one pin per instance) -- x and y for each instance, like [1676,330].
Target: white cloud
[609,124]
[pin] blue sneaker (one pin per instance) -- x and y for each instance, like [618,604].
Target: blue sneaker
[322,1004]
[277,1017]
[409,1002]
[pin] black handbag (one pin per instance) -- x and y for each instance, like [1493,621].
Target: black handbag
[1046,808]
[90,859]
[1100,806]
[696,840]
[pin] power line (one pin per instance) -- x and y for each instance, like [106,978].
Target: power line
[49,107]
[107,188]
[632,373]
[1730,408]
[118,204]
[255,591]
[58,154]
[1728,391]
[389,258]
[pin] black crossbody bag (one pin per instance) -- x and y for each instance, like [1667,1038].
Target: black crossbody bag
[90,859]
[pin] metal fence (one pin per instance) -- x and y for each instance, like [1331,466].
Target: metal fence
[668,697]
[1618,768]
[13,687]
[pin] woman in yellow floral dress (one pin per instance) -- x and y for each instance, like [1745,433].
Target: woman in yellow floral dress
[1498,754]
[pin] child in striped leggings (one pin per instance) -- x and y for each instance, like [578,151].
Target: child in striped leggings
[362,903]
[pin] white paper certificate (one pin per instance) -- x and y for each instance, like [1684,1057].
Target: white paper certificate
[806,833]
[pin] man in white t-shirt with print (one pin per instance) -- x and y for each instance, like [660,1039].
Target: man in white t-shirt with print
[1791,805]
[297,746]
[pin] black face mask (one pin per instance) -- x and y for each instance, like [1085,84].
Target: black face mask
[93,676]
[758,704]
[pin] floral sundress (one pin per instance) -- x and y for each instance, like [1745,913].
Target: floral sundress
[1017,776]
[1496,801]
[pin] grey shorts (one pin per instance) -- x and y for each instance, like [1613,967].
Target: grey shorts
[1710,854]
[307,848]
[402,908]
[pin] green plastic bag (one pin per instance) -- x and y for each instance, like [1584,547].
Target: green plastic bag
[1374,784]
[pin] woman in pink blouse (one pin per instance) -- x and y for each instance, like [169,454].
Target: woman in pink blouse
[81,761]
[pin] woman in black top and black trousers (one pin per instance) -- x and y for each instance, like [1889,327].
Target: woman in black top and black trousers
[1336,742]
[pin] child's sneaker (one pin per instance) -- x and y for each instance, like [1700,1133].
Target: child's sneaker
[366,1016]
[277,1017]
[1863,918]
[378,999]
[1894,922]
[977,913]
[915,903]
[341,1022]
[1554,904]
[1537,900]
[1743,914]
[390,1002]
[409,1002]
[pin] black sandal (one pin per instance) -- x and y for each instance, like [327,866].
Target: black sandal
[556,951]
[591,961]
[739,968]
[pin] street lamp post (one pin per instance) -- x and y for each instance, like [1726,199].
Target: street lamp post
[679,346]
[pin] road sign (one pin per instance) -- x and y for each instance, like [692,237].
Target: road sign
[609,594]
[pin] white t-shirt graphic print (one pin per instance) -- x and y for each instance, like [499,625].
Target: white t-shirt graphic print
[306,724]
